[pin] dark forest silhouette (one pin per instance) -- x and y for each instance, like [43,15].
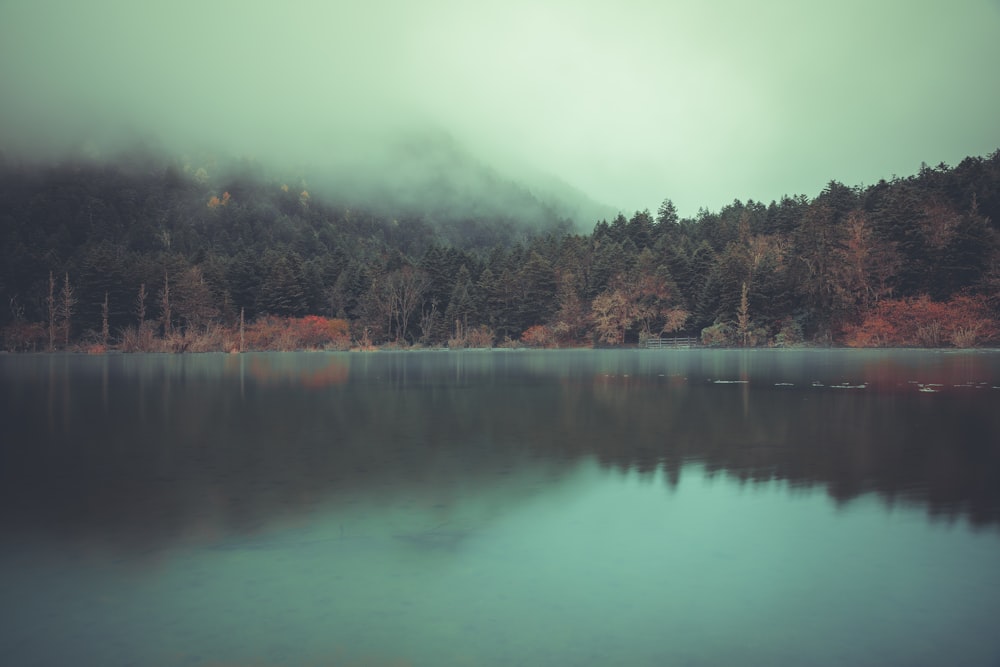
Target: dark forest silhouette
[144,254]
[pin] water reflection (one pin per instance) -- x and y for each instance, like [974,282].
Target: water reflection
[198,446]
[497,508]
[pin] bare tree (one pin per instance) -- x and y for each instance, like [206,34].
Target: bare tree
[165,303]
[743,318]
[50,302]
[428,321]
[16,309]
[104,321]
[405,289]
[67,300]
[140,305]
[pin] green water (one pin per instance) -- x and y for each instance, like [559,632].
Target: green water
[501,508]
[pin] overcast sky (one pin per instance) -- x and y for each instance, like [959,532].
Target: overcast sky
[629,101]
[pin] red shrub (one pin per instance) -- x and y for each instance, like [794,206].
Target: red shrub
[297,333]
[21,336]
[313,331]
[539,336]
[963,321]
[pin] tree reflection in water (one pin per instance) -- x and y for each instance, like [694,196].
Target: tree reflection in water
[204,446]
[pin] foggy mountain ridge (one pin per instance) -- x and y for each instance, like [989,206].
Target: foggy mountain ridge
[430,172]
[423,173]
[627,102]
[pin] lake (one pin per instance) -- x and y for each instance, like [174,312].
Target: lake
[632,507]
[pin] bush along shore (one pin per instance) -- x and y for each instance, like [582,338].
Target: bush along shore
[963,322]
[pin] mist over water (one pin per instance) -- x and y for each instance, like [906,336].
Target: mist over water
[492,508]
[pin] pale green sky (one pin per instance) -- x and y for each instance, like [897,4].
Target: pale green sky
[628,100]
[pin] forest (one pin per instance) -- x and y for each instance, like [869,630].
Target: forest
[153,254]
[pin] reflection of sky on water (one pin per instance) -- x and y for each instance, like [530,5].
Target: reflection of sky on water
[596,567]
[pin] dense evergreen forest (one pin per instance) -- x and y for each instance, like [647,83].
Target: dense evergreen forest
[152,255]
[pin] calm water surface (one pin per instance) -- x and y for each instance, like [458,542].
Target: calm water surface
[577,508]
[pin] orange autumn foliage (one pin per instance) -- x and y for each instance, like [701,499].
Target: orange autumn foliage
[298,333]
[963,321]
[539,335]
[316,331]
[215,202]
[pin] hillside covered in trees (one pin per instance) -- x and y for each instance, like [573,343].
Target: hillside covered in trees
[149,254]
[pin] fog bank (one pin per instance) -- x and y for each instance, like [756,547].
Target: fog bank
[629,102]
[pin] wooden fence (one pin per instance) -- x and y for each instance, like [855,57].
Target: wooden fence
[672,343]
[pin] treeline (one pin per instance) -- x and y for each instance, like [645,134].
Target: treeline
[159,256]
